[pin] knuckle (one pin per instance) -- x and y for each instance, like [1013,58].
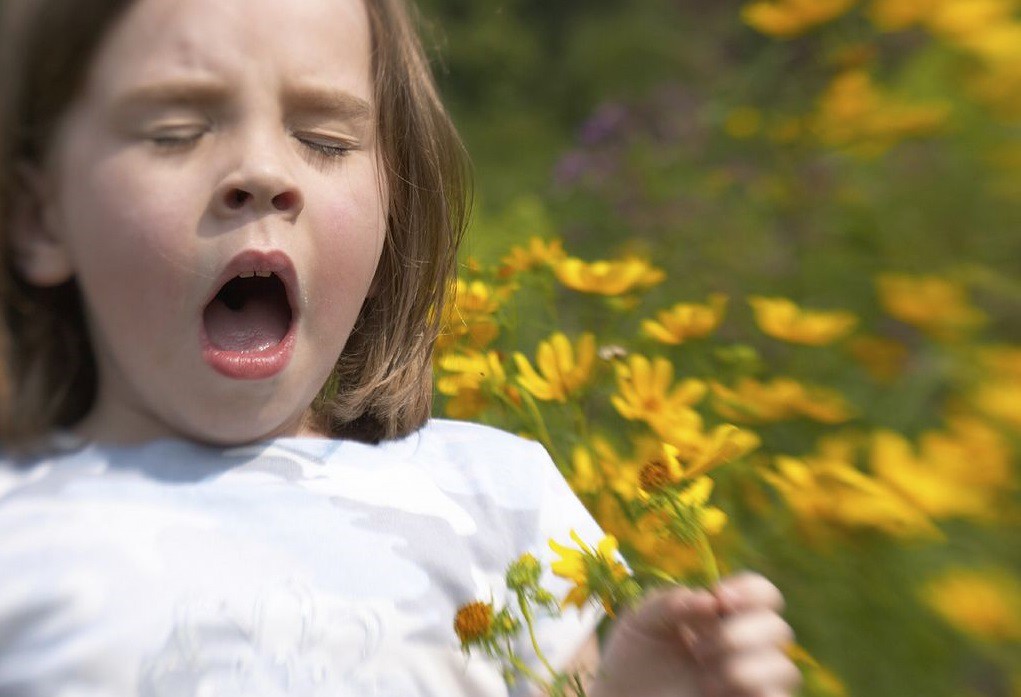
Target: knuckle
[792,677]
[755,589]
[733,673]
[755,675]
[770,594]
[783,632]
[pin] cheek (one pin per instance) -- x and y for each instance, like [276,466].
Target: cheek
[116,207]
[129,242]
[349,241]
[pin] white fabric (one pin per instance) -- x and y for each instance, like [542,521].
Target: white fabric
[293,567]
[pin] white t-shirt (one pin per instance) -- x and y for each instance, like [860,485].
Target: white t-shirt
[318,568]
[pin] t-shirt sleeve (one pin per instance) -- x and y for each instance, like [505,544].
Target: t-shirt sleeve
[560,513]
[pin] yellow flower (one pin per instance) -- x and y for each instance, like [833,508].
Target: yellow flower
[855,115]
[596,574]
[607,277]
[585,477]
[1001,401]
[752,401]
[983,604]
[709,518]
[967,18]
[935,305]
[660,472]
[622,473]
[789,18]
[539,252]
[687,321]
[469,315]
[724,444]
[472,369]
[936,482]
[967,440]
[684,429]
[997,44]
[823,405]
[646,392]
[1002,361]
[998,83]
[895,15]
[833,491]
[472,376]
[466,404]
[565,368]
[782,319]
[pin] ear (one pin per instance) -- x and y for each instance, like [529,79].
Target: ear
[39,253]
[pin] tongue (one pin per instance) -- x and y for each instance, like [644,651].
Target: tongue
[258,324]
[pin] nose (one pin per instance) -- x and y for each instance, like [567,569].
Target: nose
[288,200]
[261,185]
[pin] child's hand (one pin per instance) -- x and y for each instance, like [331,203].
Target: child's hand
[692,643]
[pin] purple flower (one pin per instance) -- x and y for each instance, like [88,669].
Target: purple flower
[570,168]
[605,124]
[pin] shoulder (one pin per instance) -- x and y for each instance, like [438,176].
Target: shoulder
[466,439]
[472,458]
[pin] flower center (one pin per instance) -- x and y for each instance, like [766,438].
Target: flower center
[654,475]
[473,621]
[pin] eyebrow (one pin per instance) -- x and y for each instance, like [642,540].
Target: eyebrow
[326,100]
[206,93]
[179,92]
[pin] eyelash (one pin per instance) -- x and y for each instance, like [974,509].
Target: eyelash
[175,142]
[319,153]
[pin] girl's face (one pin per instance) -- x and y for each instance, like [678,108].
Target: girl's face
[216,194]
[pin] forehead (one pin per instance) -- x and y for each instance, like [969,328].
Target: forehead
[322,41]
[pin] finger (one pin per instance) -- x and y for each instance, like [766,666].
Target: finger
[665,613]
[758,674]
[743,633]
[748,590]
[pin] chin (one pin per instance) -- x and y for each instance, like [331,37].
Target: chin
[239,430]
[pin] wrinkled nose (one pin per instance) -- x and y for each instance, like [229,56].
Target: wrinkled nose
[261,185]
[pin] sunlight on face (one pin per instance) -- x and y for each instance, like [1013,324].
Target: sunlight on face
[217,192]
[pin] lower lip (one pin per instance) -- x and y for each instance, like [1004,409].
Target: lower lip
[250,365]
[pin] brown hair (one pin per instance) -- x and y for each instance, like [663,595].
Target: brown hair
[381,385]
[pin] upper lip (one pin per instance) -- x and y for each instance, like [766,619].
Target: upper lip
[260,261]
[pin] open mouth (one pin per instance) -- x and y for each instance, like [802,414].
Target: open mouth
[250,314]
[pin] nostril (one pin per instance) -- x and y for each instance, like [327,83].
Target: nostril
[285,201]
[237,198]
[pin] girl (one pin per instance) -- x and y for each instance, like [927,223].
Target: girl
[226,228]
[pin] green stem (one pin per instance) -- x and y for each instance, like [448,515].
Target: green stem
[580,422]
[505,399]
[708,559]
[540,425]
[526,612]
[702,546]
[579,689]
[523,668]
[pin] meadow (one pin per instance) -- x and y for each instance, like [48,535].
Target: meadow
[751,272]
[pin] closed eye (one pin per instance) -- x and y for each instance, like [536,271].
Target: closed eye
[176,138]
[321,149]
